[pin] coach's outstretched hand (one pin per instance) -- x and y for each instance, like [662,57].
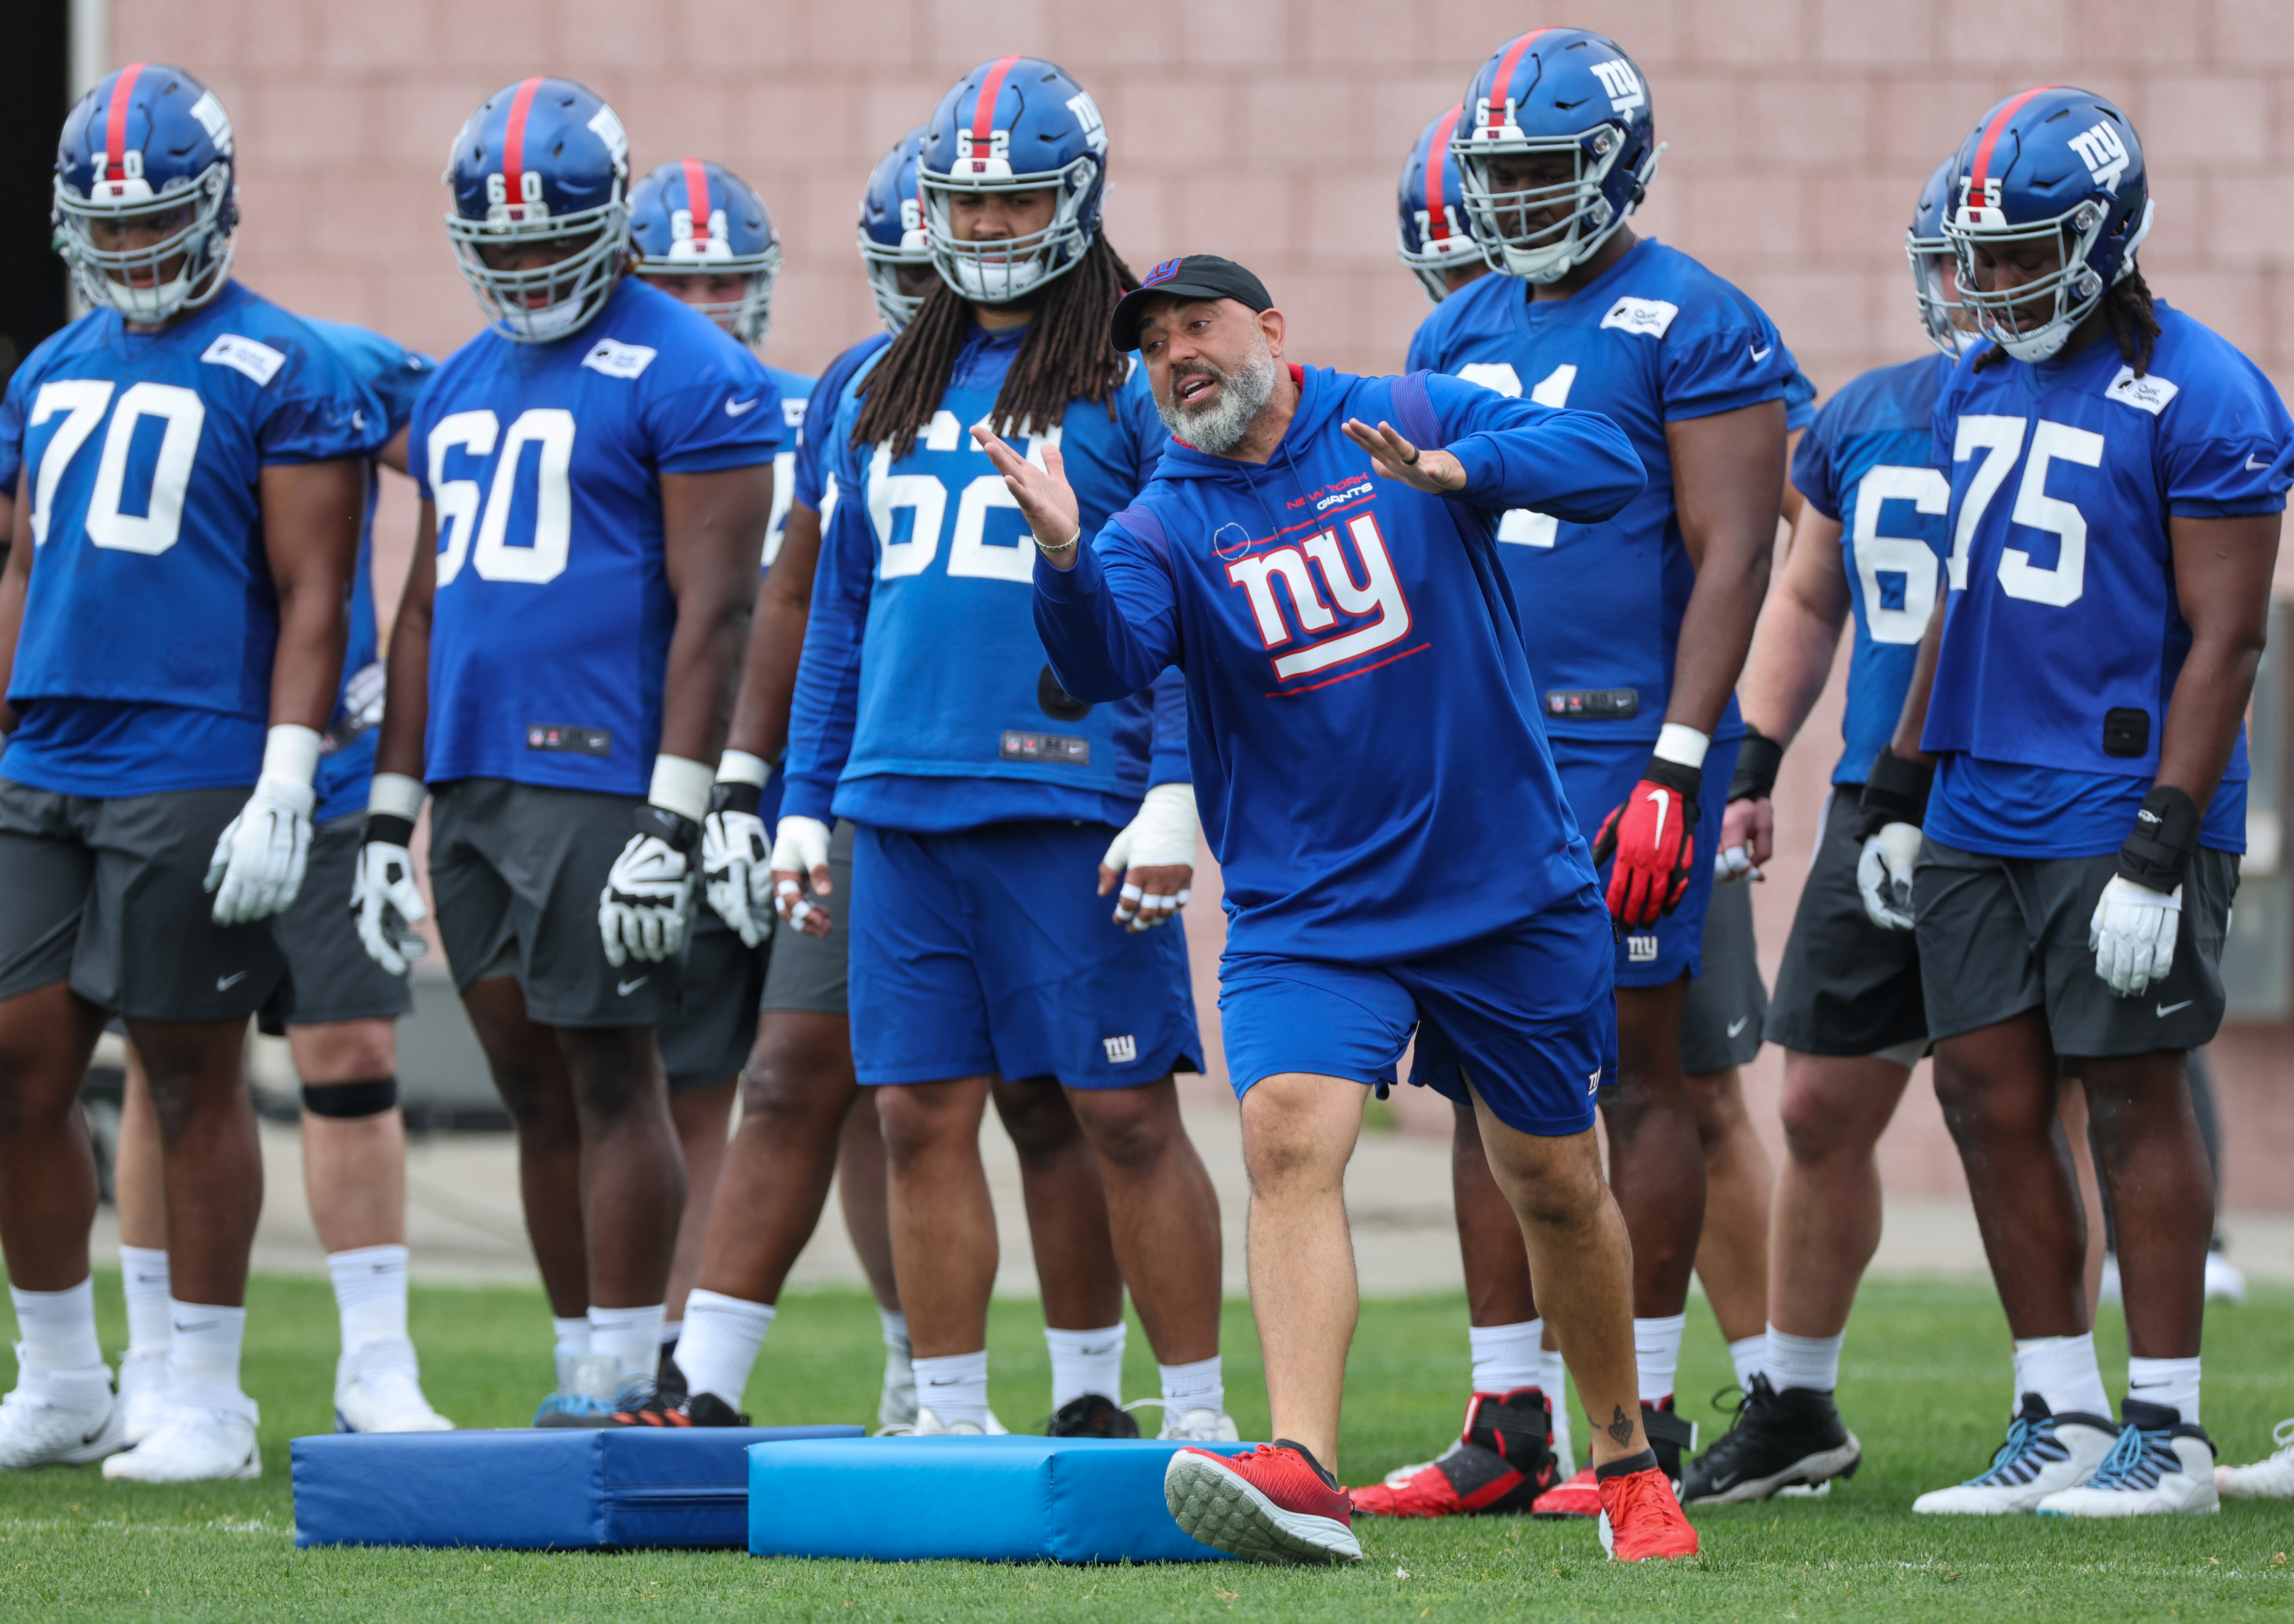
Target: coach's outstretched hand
[1428,468]
[801,857]
[1045,498]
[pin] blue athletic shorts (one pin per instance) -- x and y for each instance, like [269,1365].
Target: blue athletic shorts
[1529,1012]
[1596,777]
[989,952]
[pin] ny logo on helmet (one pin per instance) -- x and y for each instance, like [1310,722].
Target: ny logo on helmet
[2104,154]
[1087,113]
[1624,87]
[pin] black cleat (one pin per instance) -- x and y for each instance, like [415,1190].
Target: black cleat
[656,1409]
[1777,1440]
[1093,1415]
[671,1381]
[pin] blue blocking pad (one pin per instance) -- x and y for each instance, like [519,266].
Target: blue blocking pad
[526,1489]
[980,1499]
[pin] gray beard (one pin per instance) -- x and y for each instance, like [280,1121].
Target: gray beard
[1219,427]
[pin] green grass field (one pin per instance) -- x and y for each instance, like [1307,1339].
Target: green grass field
[1925,1387]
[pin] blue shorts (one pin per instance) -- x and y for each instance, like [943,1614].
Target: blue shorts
[989,952]
[1596,777]
[1529,1012]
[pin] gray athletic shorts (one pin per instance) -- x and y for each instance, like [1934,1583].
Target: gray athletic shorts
[1846,986]
[806,973]
[516,871]
[1998,936]
[329,974]
[708,1040]
[106,894]
[1723,1022]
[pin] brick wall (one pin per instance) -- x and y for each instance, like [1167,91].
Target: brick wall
[1272,130]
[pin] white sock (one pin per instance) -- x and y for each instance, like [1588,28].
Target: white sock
[205,1341]
[673,1331]
[144,1282]
[632,1335]
[369,1294]
[1804,1362]
[722,1338]
[2062,1370]
[1506,1356]
[895,1330]
[955,1387]
[1083,1362]
[57,1327]
[573,1335]
[1750,1355]
[1552,1377]
[1657,1350]
[2173,1382]
[1201,1385]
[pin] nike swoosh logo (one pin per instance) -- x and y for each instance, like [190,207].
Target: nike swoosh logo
[1663,798]
[2255,465]
[1764,354]
[224,984]
[204,1325]
[626,988]
[1739,1023]
[2165,1010]
[734,408]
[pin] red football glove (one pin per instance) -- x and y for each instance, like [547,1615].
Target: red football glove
[1653,837]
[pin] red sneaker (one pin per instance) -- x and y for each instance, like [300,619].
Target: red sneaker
[1502,1462]
[1577,1498]
[1268,1506]
[1641,1519]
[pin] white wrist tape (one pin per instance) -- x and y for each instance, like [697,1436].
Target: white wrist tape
[1164,833]
[291,751]
[395,795]
[1679,743]
[681,786]
[739,766]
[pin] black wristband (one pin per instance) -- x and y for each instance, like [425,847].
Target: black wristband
[1683,780]
[731,795]
[676,830]
[1757,761]
[1895,791]
[388,828]
[2166,835]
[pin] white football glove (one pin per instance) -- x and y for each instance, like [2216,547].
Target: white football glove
[1163,835]
[736,875]
[258,867]
[799,847]
[386,905]
[2133,935]
[641,911]
[1884,875]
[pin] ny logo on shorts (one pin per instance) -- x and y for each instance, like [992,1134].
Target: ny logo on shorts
[1640,949]
[1120,1051]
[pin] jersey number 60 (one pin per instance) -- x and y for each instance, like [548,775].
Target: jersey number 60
[462,512]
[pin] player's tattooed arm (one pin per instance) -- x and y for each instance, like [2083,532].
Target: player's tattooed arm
[311,512]
[2223,569]
[1728,485]
[406,693]
[713,533]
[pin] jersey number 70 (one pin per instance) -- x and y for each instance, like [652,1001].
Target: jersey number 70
[82,400]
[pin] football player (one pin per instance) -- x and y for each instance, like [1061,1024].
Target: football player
[1436,238]
[1868,547]
[596,470]
[2073,727]
[982,806]
[1647,618]
[193,470]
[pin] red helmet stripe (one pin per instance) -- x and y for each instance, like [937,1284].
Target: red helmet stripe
[115,123]
[983,111]
[696,198]
[1437,157]
[1503,81]
[1981,170]
[514,141]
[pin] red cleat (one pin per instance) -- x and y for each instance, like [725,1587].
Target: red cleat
[1641,1519]
[1271,1505]
[1502,1460]
[1580,1496]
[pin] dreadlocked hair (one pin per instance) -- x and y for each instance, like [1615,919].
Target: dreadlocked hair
[2133,326]
[1067,356]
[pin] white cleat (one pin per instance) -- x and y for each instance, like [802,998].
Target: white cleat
[2224,1282]
[2044,1454]
[52,1422]
[930,1426]
[145,1377]
[2161,1466]
[379,1389]
[2264,1479]
[207,1433]
[1197,1424]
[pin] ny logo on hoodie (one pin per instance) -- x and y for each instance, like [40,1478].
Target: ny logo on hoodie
[1378,594]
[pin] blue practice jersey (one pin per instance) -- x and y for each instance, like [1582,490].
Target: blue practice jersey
[796,394]
[396,375]
[1368,760]
[1866,466]
[2062,639]
[922,701]
[151,621]
[1656,338]
[550,637]
[810,486]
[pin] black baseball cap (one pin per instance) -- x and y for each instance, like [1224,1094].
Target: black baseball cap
[1191,276]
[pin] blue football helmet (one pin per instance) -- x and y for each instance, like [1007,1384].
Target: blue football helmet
[2058,165]
[149,145]
[1436,235]
[1556,90]
[1930,251]
[543,161]
[892,230]
[692,217]
[1017,123]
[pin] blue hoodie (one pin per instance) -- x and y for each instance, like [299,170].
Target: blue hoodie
[1367,750]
